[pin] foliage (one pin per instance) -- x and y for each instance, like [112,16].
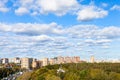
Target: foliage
[25,76]
[79,71]
[4,72]
[52,77]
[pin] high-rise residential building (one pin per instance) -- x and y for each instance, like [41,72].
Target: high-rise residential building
[26,63]
[55,60]
[34,63]
[39,63]
[45,62]
[68,59]
[92,59]
[16,60]
[52,61]
[60,60]
[4,60]
[76,59]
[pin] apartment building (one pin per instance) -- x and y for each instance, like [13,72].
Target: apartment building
[26,63]
[60,60]
[4,60]
[76,59]
[92,59]
[45,61]
[16,60]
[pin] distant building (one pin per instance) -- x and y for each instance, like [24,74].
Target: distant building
[45,62]
[52,61]
[39,63]
[4,60]
[36,64]
[16,60]
[92,59]
[68,59]
[60,60]
[76,59]
[26,63]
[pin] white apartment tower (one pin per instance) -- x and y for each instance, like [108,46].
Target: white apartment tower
[45,62]
[92,59]
[4,60]
[26,63]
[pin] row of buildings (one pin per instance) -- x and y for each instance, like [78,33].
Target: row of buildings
[27,63]
[30,63]
[61,60]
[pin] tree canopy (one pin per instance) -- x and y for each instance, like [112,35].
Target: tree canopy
[79,71]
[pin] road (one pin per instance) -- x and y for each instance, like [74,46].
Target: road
[13,76]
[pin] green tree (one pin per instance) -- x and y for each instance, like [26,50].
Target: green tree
[113,76]
[25,76]
[84,74]
[98,74]
[71,76]
[52,77]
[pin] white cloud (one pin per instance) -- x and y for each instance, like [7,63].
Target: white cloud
[92,31]
[91,12]
[16,38]
[104,4]
[103,41]
[57,7]
[116,7]
[42,38]
[77,31]
[21,10]
[97,42]
[3,7]
[32,29]
[83,31]
[105,46]
[110,32]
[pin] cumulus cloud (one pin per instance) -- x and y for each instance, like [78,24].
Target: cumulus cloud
[116,7]
[16,38]
[97,42]
[42,38]
[32,29]
[83,31]
[110,32]
[76,31]
[21,11]
[3,7]
[57,7]
[60,8]
[92,31]
[91,12]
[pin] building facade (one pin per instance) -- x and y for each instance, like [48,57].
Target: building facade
[45,62]
[4,60]
[26,63]
[92,59]
[16,60]
[60,60]
[76,59]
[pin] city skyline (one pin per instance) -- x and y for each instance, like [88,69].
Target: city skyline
[44,28]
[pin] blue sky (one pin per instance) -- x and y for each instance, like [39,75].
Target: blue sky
[48,28]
